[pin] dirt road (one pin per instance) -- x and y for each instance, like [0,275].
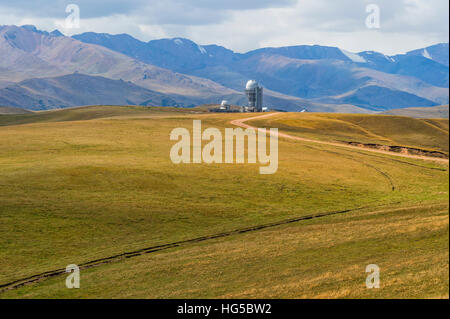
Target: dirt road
[241,123]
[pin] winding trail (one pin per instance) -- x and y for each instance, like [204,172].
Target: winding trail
[241,123]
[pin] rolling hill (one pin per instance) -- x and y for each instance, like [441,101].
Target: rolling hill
[387,130]
[12,110]
[102,192]
[440,112]
[78,89]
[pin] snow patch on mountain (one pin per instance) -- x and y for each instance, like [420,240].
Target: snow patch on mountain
[201,49]
[178,42]
[389,58]
[353,56]
[427,55]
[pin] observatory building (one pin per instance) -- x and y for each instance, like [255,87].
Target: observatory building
[254,94]
[225,105]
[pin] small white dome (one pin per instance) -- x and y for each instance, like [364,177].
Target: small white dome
[251,84]
[224,103]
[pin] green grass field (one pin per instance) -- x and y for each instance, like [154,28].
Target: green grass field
[82,184]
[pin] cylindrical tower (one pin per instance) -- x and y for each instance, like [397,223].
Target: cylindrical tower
[254,95]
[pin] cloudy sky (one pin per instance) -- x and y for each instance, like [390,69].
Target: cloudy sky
[243,25]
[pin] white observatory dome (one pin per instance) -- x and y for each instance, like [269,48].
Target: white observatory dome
[224,103]
[251,85]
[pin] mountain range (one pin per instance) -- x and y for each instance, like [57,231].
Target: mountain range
[42,70]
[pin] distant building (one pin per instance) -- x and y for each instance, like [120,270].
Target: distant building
[254,94]
[225,105]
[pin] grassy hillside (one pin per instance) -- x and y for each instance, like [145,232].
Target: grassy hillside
[81,184]
[363,128]
[12,110]
[92,113]
[440,111]
[316,259]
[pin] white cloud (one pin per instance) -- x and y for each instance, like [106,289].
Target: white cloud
[246,25]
